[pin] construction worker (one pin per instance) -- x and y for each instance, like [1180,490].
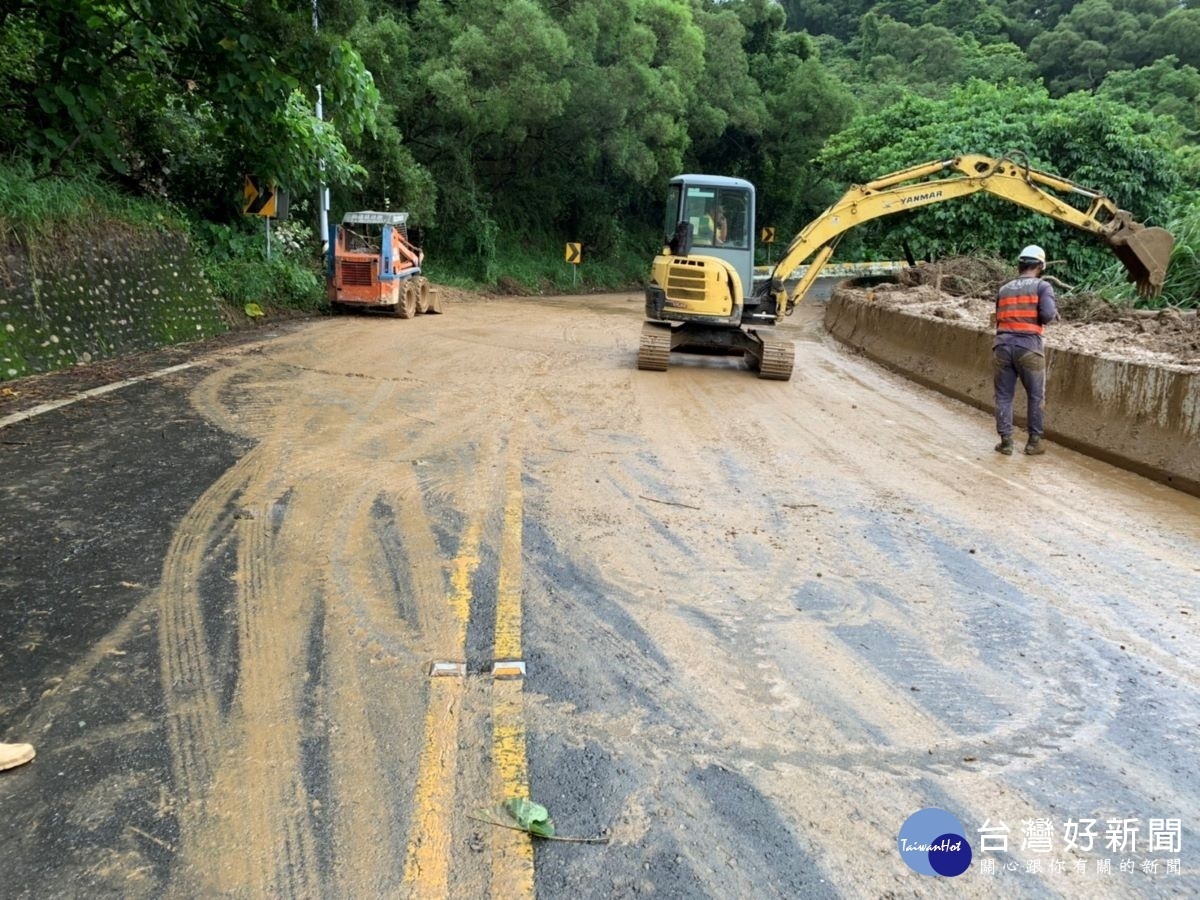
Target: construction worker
[13,755]
[1023,306]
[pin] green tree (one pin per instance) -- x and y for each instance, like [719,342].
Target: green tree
[1176,34]
[978,18]
[921,55]
[179,99]
[1026,19]
[805,104]
[394,177]
[1096,37]
[1166,88]
[931,60]
[911,12]
[826,16]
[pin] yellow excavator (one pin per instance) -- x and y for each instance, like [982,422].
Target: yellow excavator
[701,295]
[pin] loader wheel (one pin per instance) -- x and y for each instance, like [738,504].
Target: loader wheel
[407,307]
[422,287]
[777,360]
[654,352]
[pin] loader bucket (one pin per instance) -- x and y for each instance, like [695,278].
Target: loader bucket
[1145,253]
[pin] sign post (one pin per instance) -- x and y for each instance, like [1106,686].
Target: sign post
[574,255]
[266,199]
[768,237]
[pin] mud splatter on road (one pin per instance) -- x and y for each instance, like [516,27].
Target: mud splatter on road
[762,622]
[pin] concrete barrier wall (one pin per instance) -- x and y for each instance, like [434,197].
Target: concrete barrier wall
[1136,416]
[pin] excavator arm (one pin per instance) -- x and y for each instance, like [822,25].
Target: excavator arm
[1143,251]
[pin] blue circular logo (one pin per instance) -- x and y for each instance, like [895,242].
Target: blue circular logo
[932,842]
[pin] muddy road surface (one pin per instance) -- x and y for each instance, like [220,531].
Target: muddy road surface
[760,625]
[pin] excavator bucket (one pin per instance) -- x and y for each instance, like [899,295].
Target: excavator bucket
[1145,253]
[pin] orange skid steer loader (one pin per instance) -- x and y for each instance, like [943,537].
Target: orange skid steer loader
[372,266]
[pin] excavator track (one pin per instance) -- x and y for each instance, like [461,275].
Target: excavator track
[778,358]
[654,351]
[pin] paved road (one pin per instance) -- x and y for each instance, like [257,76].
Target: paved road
[762,624]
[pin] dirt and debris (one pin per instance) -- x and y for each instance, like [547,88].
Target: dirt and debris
[963,289]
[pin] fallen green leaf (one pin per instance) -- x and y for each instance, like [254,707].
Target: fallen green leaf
[530,816]
[253,310]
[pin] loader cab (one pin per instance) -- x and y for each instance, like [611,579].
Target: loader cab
[700,202]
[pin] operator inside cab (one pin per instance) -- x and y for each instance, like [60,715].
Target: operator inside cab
[718,217]
[718,225]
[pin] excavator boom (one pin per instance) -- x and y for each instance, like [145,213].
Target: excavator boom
[1143,251]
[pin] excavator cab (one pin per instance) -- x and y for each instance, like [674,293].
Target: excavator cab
[707,265]
[699,294]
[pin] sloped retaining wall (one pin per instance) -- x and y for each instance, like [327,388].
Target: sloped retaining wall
[96,296]
[1137,416]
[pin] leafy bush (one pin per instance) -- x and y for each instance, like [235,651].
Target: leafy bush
[536,264]
[235,262]
[233,257]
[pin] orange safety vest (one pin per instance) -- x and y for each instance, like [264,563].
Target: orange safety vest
[1017,307]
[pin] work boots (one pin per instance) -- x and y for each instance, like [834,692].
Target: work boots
[1005,446]
[1034,447]
[13,755]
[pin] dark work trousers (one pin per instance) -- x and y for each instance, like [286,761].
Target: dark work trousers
[1008,364]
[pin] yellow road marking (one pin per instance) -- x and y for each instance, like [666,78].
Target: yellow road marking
[512,851]
[460,582]
[508,595]
[427,861]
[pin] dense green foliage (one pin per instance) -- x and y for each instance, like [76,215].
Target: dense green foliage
[36,209]
[508,127]
[178,99]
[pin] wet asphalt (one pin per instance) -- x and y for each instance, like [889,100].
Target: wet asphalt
[89,499]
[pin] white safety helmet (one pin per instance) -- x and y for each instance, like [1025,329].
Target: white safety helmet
[1033,254]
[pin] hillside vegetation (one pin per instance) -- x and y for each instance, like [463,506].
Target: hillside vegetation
[507,127]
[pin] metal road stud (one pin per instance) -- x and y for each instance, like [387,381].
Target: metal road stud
[508,668]
[448,670]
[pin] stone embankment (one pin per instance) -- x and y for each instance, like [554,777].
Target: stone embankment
[85,297]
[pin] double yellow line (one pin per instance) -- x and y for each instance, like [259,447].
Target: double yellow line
[512,851]
[430,850]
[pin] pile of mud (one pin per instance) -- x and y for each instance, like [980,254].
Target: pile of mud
[963,290]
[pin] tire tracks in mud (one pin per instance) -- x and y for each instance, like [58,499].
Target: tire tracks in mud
[340,576]
[685,655]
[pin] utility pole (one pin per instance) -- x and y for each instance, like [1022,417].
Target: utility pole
[322,190]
